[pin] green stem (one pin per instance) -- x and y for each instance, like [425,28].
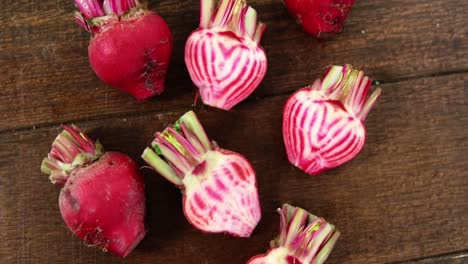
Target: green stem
[351,87]
[370,103]
[161,166]
[179,148]
[307,237]
[232,15]
[206,12]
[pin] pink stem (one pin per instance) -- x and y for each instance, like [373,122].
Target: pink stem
[79,19]
[370,104]
[84,142]
[224,13]
[306,237]
[192,138]
[90,8]
[180,147]
[71,148]
[118,7]
[261,28]
[192,152]
[172,154]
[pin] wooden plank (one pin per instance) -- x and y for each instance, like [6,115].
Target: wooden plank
[404,197]
[459,258]
[46,78]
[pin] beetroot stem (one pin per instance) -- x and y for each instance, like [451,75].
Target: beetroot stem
[224,13]
[161,166]
[90,8]
[80,20]
[71,148]
[350,86]
[190,120]
[206,12]
[179,148]
[232,15]
[370,103]
[307,237]
[261,27]
[250,22]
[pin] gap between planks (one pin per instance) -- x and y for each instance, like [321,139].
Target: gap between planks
[248,100]
[450,258]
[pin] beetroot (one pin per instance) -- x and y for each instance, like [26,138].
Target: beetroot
[303,239]
[223,56]
[320,17]
[102,200]
[323,124]
[131,46]
[218,185]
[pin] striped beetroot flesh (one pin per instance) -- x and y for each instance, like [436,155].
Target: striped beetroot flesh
[218,186]
[303,239]
[323,124]
[223,56]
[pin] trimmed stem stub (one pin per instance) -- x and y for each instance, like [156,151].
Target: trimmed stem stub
[179,148]
[351,87]
[304,238]
[218,185]
[95,16]
[231,15]
[307,237]
[71,149]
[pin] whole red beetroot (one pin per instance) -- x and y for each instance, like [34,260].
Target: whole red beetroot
[131,46]
[102,200]
[320,17]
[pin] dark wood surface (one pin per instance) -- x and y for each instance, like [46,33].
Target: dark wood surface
[404,199]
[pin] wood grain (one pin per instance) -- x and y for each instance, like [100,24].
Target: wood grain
[46,78]
[458,258]
[404,197]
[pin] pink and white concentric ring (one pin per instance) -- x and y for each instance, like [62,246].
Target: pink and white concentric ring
[226,200]
[225,67]
[319,133]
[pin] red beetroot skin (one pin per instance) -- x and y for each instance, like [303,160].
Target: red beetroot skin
[104,203]
[133,55]
[319,17]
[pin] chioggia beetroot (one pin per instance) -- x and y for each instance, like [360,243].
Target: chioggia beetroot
[323,124]
[320,17]
[131,46]
[218,186]
[223,56]
[102,200]
[303,239]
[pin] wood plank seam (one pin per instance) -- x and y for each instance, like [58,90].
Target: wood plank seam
[201,106]
[437,259]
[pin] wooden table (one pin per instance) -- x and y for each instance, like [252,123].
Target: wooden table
[404,199]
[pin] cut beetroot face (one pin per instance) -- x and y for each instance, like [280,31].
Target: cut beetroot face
[323,124]
[223,56]
[218,186]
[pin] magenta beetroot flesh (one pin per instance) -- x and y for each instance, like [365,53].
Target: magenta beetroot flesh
[218,186]
[102,200]
[131,46]
[323,124]
[303,239]
[223,56]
